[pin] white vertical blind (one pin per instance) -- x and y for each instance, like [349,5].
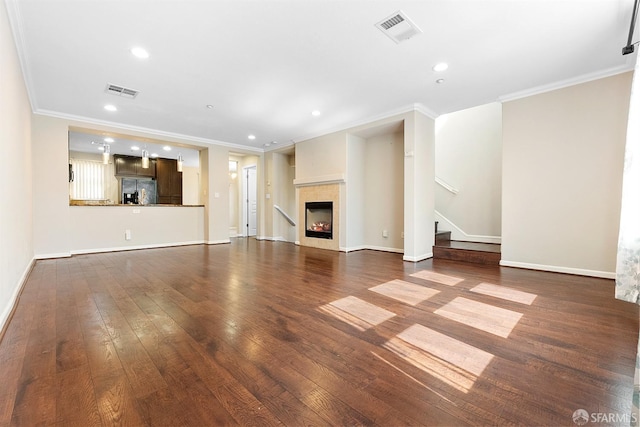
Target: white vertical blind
[89,180]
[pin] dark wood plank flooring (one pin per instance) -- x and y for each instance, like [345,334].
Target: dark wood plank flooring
[234,335]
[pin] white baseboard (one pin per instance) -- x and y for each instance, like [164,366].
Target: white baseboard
[51,256]
[217,242]
[272,239]
[458,234]
[557,269]
[373,248]
[13,300]
[133,248]
[417,258]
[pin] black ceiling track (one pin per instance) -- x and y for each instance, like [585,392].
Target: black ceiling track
[630,46]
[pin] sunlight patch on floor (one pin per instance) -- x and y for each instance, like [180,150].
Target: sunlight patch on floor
[406,292]
[412,378]
[437,277]
[455,363]
[356,312]
[504,293]
[486,317]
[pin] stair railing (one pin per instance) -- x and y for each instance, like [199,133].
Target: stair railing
[446,186]
[287,217]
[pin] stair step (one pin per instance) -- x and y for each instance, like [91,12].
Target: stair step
[474,252]
[443,236]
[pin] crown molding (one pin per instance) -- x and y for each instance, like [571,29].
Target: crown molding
[369,120]
[584,78]
[13,13]
[151,132]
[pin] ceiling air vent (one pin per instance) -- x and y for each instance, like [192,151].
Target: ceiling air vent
[398,27]
[121,91]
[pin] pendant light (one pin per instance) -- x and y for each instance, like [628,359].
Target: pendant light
[145,159]
[105,154]
[180,162]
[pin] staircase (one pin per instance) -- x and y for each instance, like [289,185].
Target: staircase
[474,252]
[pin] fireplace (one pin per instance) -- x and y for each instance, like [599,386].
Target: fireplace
[318,219]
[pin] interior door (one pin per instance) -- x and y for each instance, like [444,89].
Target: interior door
[252,201]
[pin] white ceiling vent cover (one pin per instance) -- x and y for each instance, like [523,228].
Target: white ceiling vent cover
[398,27]
[121,91]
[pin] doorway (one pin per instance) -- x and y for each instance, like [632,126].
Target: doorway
[250,201]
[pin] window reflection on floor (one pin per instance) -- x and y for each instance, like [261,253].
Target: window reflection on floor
[486,317]
[445,358]
[356,312]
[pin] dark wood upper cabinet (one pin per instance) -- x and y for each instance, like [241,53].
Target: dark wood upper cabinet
[132,166]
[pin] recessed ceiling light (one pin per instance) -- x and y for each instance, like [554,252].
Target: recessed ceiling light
[154,154]
[441,66]
[101,148]
[135,148]
[139,52]
[268,144]
[110,107]
[440,81]
[209,106]
[251,137]
[166,148]
[109,140]
[315,113]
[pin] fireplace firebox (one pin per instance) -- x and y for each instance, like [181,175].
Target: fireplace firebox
[318,220]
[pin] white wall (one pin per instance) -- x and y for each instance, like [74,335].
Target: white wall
[281,192]
[322,156]
[419,186]
[234,201]
[51,227]
[469,158]
[355,210]
[16,209]
[562,177]
[214,192]
[102,228]
[384,191]
[191,185]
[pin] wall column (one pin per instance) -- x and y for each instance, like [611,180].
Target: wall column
[214,165]
[419,187]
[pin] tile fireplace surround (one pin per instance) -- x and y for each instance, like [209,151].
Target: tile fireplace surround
[320,193]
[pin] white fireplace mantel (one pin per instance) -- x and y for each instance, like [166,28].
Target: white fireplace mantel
[337,178]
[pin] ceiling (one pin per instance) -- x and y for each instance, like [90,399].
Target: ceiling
[264,65]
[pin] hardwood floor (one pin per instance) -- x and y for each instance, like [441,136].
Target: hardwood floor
[264,333]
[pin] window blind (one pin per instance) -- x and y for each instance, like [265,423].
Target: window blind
[89,180]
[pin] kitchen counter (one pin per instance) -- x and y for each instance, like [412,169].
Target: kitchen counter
[103,203]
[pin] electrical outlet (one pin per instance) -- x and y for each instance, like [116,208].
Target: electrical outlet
[127,234]
[385,233]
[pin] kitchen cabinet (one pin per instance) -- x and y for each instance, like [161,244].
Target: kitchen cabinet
[131,166]
[169,182]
